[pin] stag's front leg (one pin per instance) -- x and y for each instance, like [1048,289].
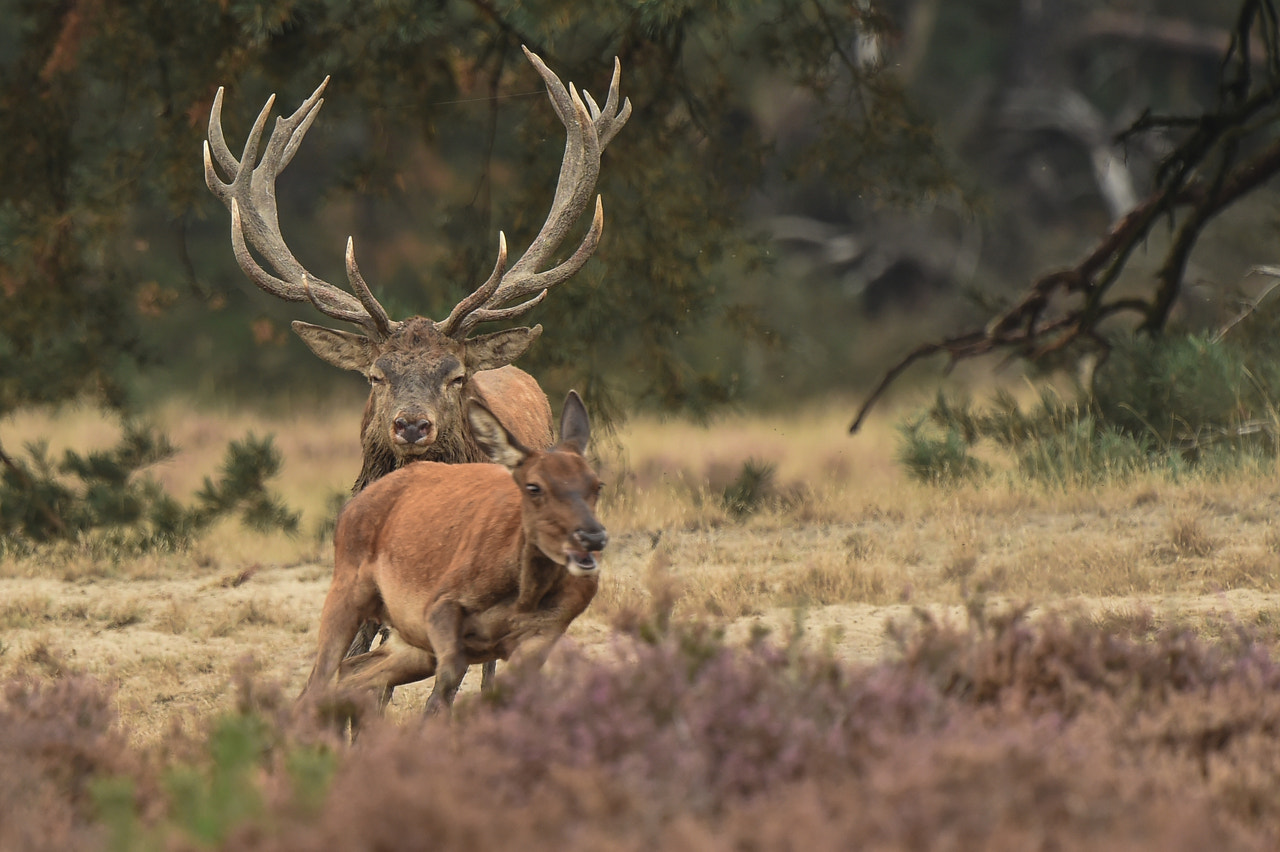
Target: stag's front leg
[444,632]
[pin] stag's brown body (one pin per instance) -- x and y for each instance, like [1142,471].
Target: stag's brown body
[466,563]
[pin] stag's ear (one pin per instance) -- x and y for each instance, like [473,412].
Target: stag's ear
[491,351]
[499,444]
[340,348]
[575,428]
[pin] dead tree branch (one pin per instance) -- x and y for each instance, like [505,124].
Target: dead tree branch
[1206,173]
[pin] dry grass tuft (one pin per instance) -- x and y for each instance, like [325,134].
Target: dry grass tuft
[25,612]
[124,614]
[832,580]
[47,659]
[1249,569]
[1189,538]
[174,617]
[1272,540]
[241,577]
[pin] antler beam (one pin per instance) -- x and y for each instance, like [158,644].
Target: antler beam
[589,128]
[250,195]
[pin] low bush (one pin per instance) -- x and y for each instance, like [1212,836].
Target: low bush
[1003,734]
[105,496]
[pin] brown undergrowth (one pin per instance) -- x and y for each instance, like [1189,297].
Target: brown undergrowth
[1001,734]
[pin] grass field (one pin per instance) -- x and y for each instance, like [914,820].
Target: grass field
[996,667]
[839,544]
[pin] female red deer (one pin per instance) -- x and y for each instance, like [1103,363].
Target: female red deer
[422,372]
[465,563]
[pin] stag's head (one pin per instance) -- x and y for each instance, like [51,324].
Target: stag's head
[418,379]
[419,368]
[558,487]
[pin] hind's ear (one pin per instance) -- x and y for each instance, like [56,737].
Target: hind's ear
[499,444]
[575,428]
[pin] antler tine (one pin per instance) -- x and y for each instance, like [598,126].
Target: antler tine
[360,318]
[544,281]
[610,120]
[321,297]
[587,130]
[483,315]
[376,312]
[251,196]
[220,149]
[578,173]
[451,327]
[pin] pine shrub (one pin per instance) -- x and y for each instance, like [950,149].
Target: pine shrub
[105,495]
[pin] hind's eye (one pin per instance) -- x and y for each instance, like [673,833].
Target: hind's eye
[376,380]
[458,382]
[534,489]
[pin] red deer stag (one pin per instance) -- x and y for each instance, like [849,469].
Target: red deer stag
[422,372]
[466,563]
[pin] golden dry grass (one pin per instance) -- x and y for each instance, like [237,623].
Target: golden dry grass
[842,543]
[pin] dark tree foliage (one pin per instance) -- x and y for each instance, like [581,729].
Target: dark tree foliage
[435,135]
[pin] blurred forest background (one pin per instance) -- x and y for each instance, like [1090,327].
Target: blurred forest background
[807,189]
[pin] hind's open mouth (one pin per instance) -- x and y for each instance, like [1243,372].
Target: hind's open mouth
[582,562]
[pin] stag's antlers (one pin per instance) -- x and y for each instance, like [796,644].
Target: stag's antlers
[250,196]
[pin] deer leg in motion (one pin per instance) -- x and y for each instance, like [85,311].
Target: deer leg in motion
[444,632]
[371,630]
[340,618]
[393,663]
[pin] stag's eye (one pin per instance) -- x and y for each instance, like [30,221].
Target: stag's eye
[375,379]
[457,381]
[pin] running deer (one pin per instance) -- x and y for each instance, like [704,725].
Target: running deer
[422,372]
[465,563]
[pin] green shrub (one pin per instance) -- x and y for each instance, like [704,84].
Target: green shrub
[104,495]
[749,492]
[937,455]
[1173,405]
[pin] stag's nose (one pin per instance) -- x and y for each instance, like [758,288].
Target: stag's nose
[593,539]
[412,431]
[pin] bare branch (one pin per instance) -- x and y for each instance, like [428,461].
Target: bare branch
[1199,178]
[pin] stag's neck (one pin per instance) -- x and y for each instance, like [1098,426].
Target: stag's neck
[379,460]
[538,575]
